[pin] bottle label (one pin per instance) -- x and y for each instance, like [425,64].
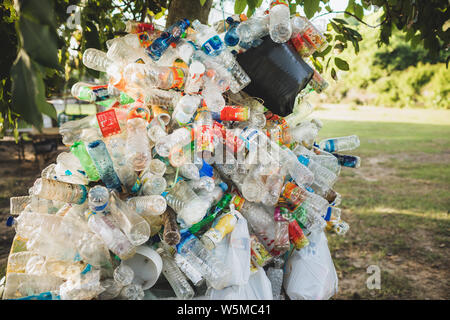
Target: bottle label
[205,139]
[292,195]
[238,202]
[248,136]
[183,242]
[277,2]
[101,93]
[258,252]
[296,235]
[277,215]
[221,227]
[234,113]
[303,160]
[178,78]
[108,123]
[330,146]
[213,45]
[314,38]
[144,39]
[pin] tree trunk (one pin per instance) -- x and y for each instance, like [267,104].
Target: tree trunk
[189,9]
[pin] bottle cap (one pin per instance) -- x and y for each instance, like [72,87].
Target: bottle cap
[206,170]
[303,160]
[223,186]
[10,221]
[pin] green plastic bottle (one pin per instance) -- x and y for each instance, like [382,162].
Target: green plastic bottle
[79,150]
[221,205]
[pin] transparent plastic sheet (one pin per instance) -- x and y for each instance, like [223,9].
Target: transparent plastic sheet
[310,273]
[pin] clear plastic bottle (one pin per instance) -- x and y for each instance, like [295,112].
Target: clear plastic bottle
[178,137]
[152,184]
[138,144]
[18,204]
[213,96]
[21,285]
[111,235]
[279,21]
[79,150]
[105,167]
[145,76]
[132,292]
[61,191]
[275,275]
[71,130]
[222,226]
[112,289]
[201,258]
[349,161]
[123,274]
[299,114]
[175,277]
[185,109]
[253,29]
[194,81]
[156,132]
[132,224]
[189,171]
[98,198]
[306,132]
[340,144]
[322,175]
[204,183]
[153,205]
[96,60]
[171,234]
[157,167]
[186,267]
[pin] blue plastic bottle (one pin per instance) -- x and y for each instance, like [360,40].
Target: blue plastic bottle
[102,161]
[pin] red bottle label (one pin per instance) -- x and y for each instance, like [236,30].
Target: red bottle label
[296,235]
[107,121]
[234,113]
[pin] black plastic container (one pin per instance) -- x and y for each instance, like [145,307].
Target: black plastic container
[278,74]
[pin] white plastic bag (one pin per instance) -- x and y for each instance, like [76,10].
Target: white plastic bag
[310,272]
[234,251]
[257,288]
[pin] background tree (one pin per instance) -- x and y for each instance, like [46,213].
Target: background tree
[42,53]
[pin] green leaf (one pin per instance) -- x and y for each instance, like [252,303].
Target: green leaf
[341,21]
[92,41]
[311,7]
[41,101]
[333,74]
[202,2]
[341,64]
[359,10]
[324,52]
[40,11]
[239,6]
[24,90]
[39,43]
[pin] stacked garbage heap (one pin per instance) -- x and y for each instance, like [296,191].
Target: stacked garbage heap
[189,185]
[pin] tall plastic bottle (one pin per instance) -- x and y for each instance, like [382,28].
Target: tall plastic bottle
[105,167]
[79,150]
[175,277]
[279,22]
[211,269]
[340,144]
[138,144]
[61,191]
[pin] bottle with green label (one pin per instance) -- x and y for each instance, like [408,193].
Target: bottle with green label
[205,222]
[79,150]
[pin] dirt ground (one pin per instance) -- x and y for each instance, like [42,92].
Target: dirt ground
[16,178]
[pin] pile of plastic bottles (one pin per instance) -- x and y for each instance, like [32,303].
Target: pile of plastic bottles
[185,186]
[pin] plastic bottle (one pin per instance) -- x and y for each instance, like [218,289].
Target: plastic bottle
[186,267]
[221,227]
[340,144]
[154,205]
[253,29]
[194,81]
[260,220]
[18,204]
[71,130]
[105,167]
[110,234]
[21,285]
[98,198]
[175,277]
[61,191]
[185,109]
[138,145]
[211,269]
[322,175]
[178,137]
[79,150]
[189,171]
[279,21]
[171,233]
[170,35]
[152,184]
[348,160]
[123,274]
[133,225]
[131,292]
[276,275]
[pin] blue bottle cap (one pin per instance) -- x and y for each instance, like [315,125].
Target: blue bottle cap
[328,215]
[223,186]
[309,189]
[10,221]
[206,170]
[230,20]
[164,194]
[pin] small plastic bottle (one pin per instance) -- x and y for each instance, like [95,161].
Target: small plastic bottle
[171,233]
[153,205]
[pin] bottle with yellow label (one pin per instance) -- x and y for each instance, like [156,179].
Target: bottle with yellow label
[222,226]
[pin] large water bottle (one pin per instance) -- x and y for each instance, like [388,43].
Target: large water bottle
[175,277]
[132,224]
[61,191]
[322,175]
[105,167]
[212,270]
[140,77]
[252,29]
[340,144]
[279,22]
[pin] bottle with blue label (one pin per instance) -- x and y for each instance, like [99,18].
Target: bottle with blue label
[348,161]
[340,144]
[172,35]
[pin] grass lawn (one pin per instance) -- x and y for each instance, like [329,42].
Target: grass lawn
[397,205]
